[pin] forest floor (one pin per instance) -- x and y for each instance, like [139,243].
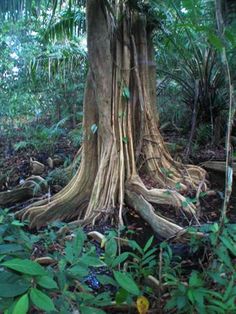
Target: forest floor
[16,167]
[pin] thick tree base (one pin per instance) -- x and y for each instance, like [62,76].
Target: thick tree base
[137,196]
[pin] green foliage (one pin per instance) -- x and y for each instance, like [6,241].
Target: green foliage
[211,290]
[21,305]
[126,93]
[24,266]
[41,138]
[204,134]
[41,300]
[189,62]
[144,259]
[59,176]
[76,136]
[25,284]
[41,81]
[19,275]
[94,128]
[126,282]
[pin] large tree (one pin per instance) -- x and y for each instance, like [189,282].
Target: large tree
[124,159]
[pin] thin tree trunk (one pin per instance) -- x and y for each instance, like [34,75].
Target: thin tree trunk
[194,120]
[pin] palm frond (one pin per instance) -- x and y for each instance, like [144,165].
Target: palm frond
[68,24]
[61,59]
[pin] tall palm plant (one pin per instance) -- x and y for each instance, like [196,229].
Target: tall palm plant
[194,62]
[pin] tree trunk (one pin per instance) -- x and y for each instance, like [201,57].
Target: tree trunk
[123,150]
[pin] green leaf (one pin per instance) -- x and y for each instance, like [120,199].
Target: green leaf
[185,204]
[188,4]
[25,266]
[10,290]
[203,194]
[194,280]
[171,304]
[94,128]
[78,241]
[10,248]
[85,297]
[91,261]
[121,296]
[149,260]
[148,253]
[47,282]
[106,280]
[78,271]
[230,36]
[69,253]
[178,186]
[103,299]
[111,248]
[228,291]
[126,93]
[9,277]
[215,227]
[215,41]
[181,302]
[220,304]
[214,309]
[22,305]
[120,259]
[199,295]
[125,139]
[231,303]
[190,295]
[41,300]
[135,246]
[126,282]
[229,244]
[148,244]
[223,255]
[17,223]
[62,280]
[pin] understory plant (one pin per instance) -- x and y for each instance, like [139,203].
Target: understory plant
[54,274]
[41,138]
[76,273]
[210,287]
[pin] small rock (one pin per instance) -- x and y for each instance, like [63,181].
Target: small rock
[36,167]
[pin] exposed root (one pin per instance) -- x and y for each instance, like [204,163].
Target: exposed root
[161,226]
[33,186]
[62,206]
[161,196]
[167,172]
[69,203]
